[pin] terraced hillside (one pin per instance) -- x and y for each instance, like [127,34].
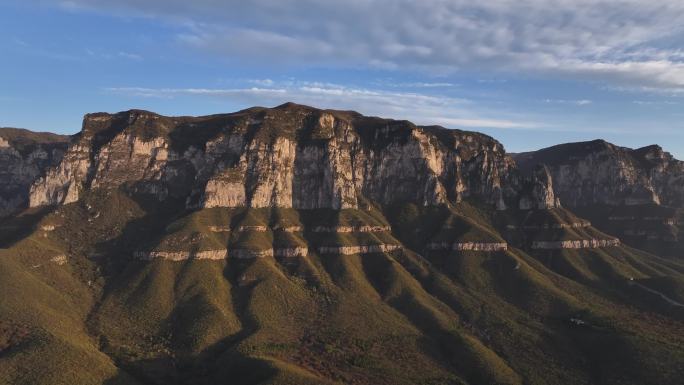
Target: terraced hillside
[299,246]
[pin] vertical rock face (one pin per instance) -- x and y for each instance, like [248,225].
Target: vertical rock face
[601,173]
[538,192]
[289,156]
[24,157]
[111,150]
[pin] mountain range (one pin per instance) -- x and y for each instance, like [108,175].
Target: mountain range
[293,245]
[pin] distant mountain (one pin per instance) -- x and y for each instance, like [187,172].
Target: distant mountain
[587,173]
[293,245]
[637,195]
[24,156]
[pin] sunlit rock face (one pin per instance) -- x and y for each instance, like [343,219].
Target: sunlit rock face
[598,172]
[290,156]
[24,157]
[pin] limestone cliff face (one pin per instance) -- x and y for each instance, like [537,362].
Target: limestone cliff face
[290,156]
[601,173]
[538,191]
[24,157]
[112,150]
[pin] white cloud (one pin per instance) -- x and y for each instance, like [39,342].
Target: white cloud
[632,43]
[129,55]
[579,102]
[262,82]
[420,108]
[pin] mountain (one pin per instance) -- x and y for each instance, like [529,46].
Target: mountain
[293,245]
[24,156]
[637,195]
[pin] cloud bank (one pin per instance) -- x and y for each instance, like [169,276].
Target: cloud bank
[631,43]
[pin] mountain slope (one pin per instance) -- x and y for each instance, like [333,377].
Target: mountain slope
[299,246]
[637,195]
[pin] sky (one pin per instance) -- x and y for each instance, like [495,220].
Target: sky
[531,73]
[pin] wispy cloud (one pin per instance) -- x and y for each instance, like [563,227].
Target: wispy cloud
[99,54]
[418,107]
[655,103]
[579,102]
[631,43]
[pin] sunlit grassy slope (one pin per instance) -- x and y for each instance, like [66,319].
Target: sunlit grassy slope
[410,316]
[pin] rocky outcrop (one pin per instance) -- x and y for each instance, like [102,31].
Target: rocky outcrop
[290,252]
[251,253]
[59,260]
[286,252]
[219,229]
[361,249]
[538,191]
[181,255]
[288,229]
[289,156]
[351,229]
[576,244]
[547,226]
[257,228]
[24,157]
[468,246]
[282,252]
[598,172]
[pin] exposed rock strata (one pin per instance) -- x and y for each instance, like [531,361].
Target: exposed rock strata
[289,229]
[252,228]
[219,229]
[576,244]
[547,226]
[181,255]
[351,229]
[284,252]
[251,253]
[59,260]
[363,249]
[468,246]
[222,254]
[289,252]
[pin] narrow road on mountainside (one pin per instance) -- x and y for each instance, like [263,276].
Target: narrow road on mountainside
[663,296]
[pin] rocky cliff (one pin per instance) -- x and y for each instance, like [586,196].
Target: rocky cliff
[636,195]
[24,156]
[599,172]
[290,156]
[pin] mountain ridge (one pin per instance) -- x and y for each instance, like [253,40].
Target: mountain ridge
[301,246]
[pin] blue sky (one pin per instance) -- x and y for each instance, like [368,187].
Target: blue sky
[531,73]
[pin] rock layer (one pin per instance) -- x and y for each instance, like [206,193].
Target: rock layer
[181,255]
[576,244]
[468,246]
[361,249]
